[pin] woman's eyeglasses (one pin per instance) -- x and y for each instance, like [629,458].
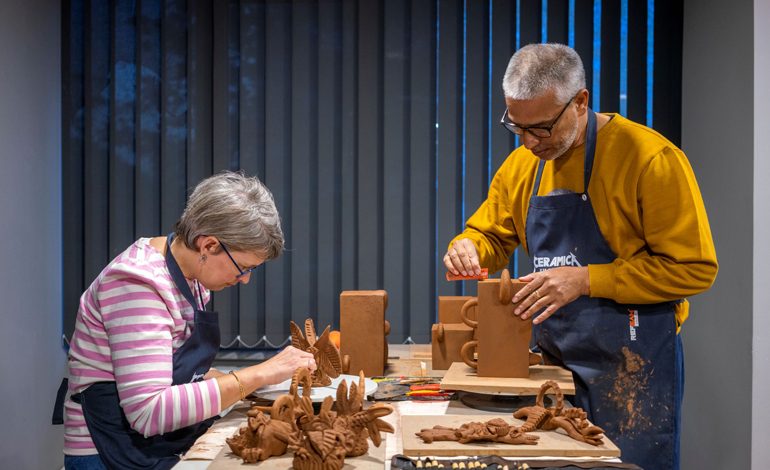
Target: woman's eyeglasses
[241,272]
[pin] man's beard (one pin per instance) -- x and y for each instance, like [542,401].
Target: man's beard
[566,144]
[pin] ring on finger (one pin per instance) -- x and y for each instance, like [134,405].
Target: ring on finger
[537,293]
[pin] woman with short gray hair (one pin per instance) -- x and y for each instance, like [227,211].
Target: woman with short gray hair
[140,379]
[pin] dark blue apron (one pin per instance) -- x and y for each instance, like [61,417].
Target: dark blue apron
[120,446]
[626,360]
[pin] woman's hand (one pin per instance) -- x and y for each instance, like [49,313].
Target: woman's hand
[282,366]
[275,370]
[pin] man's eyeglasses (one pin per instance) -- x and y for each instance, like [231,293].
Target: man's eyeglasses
[241,272]
[541,132]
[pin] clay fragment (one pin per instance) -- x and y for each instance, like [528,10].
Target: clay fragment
[572,420]
[325,353]
[536,418]
[495,430]
[265,436]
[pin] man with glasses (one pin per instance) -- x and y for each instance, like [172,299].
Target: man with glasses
[611,215]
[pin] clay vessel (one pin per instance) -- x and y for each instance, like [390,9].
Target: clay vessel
[446,342]
[502,338]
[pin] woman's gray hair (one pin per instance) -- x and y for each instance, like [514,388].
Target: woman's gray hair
[536,69]
[238,210]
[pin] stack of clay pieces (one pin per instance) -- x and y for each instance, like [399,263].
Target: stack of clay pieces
[450,333]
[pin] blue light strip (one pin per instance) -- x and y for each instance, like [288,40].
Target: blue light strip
[544,21]
[624,58]
[489,98]
[571,25]
[516,142]
[597,62]
[518,24]
[650,57]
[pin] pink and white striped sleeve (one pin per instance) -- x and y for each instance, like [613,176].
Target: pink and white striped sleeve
[139,324]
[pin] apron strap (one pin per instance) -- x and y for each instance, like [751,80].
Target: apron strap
[588,163]
[58,407]
[178,277]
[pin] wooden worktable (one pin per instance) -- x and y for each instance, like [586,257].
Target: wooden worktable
[211,451]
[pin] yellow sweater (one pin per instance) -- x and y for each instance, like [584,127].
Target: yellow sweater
[647,204]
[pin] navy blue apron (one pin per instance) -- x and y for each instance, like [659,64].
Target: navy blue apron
[626,360]
[120,446]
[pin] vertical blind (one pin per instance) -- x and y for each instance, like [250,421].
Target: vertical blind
[373,122]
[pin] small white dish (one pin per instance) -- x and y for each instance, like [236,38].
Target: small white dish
[271,392]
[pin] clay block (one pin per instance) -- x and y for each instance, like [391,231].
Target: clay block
[446,341]
[503,348]
[363,331]
[449,308]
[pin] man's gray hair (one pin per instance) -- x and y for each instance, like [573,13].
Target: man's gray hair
[536,69]
[238,210]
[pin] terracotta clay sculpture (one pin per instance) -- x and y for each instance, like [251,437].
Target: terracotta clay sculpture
[356,423]
[502,338]
[446,342]
[264,437]
[331,436]
[319,441]
[363,331]
[495,430]
[325,353]
[572,420]
[450,333]
[320,450]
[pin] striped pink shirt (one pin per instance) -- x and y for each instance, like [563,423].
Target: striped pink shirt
[131,320]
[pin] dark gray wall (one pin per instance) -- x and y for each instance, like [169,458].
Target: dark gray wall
[760,413]
[373,122]
[32,360]
[717,135]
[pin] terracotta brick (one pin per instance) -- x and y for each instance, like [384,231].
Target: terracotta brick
[363,331]
[449,308]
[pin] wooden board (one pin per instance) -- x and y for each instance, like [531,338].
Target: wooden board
[226,460]
[462,377]
[551,443]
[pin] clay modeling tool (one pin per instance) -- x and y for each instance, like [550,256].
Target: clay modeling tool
[425,387]
[459,277]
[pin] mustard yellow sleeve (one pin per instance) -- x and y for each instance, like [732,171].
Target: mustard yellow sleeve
[679,259]
[491,227]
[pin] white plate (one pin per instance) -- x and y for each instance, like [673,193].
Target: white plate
[271,392]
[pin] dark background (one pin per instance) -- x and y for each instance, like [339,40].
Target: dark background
[374,123]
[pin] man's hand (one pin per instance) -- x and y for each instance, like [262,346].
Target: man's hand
[550,290]
[462,258]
